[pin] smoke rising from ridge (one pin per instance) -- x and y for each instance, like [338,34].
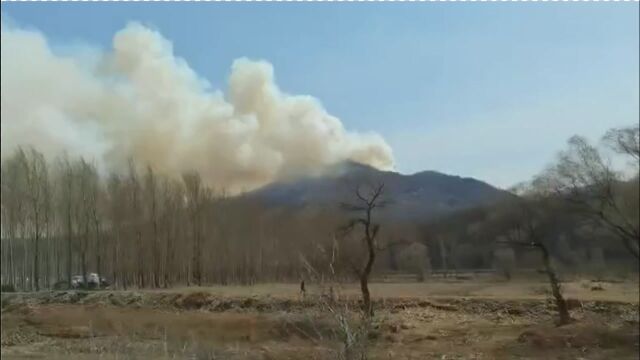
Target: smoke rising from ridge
[139,100]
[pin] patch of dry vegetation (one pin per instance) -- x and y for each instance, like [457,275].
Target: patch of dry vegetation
[205,325]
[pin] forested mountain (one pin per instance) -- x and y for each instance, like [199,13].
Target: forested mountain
[417,197]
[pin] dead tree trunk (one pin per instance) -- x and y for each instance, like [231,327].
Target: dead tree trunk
[140,270]
[83,254]
[69,249]
[371,258]
[12,272]
[36,260]
[365,205]
[563,310]
[67,201]
[364,284]
[98,249]
[114,259]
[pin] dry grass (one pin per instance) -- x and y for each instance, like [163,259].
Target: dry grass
[466,320]
[482,287]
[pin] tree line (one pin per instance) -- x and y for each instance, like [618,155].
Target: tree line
[138,228]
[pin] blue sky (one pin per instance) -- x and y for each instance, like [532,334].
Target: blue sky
[490,91]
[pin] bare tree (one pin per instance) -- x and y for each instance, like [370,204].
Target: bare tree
[65,202]
[47,204]
[21,189]
[135,205]
[414,259]
[590,186]
[86,203]
[526,224]
[96,198]
[151,192]
[172,197]
[117,202]
[625,141]
[7,229]
[37,182]
[14,211]
[194,192]
[443,256]
[504,260]
[363,206]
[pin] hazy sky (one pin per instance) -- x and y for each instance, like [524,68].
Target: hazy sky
[490,91]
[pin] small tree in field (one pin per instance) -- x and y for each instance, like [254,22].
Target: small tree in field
[366,201]
[529,225]
[504,260]
[414,258]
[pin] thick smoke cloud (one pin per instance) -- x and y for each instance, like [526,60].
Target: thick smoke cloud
[140,101]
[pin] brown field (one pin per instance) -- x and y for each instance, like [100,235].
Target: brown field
[453,319]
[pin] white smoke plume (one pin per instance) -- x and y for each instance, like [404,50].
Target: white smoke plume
[139,100]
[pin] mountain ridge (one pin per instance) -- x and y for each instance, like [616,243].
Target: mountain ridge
[422,195]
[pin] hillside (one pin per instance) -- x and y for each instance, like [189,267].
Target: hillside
[421,195]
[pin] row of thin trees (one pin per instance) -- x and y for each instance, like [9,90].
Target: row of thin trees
[138,229]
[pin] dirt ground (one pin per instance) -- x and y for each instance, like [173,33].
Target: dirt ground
[466,319]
